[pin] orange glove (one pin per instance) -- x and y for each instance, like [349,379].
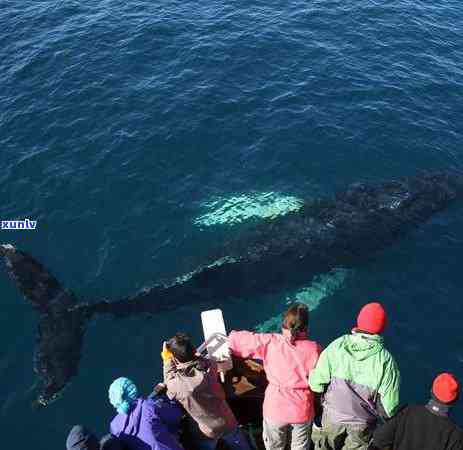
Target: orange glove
[166,354]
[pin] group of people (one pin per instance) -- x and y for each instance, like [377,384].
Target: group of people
[344,397]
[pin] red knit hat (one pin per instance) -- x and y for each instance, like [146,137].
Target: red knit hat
[446,388]
[372,318]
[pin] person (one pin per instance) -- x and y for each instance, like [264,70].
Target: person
[143,424]
[192,380]
[424,427]
[288,358]
[360,381]
[80,438]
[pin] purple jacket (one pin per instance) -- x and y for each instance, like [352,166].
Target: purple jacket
[149,425]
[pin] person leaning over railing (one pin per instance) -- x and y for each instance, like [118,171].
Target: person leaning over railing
[424,427]
[143,424]
[192,380]
[360,381]
[288,359]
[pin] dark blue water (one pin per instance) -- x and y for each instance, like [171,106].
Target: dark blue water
[121,120]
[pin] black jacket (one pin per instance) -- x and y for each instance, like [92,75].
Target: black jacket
[418,428]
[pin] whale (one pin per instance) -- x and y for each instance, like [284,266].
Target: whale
[345,230]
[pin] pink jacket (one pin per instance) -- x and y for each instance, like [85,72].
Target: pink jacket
[288,398]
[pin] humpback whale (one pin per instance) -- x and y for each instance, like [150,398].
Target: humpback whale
[277,253]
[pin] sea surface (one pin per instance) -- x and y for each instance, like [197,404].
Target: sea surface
[140,133]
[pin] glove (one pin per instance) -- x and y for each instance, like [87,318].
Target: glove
[159,389]
[166,355]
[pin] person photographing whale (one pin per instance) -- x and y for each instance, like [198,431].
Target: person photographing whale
[359,380]
[192,380]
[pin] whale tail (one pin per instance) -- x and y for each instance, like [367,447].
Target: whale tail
[61,325]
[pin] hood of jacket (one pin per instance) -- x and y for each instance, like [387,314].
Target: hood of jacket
[80,438]
[188,368]
[362,346]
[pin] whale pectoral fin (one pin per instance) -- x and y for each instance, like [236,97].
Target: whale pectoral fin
[61,326]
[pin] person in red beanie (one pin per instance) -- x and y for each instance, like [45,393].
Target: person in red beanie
[359,381]
[424,427]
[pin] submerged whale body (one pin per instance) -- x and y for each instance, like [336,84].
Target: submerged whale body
[278,253]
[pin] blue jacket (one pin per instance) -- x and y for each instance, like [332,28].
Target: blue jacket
[151,424]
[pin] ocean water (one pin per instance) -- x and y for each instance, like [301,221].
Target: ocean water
[138,134]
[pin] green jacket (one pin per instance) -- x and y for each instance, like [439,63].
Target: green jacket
[360,379]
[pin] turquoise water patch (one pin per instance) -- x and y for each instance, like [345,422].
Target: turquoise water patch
[239,208]
[322,286]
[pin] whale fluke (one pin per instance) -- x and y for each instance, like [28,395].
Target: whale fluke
[283,252]
[36,283]
[60,330]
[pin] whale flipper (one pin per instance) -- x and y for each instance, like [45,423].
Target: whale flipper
[61,328]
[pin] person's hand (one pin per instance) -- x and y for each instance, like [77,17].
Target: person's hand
[166,355]
[159,389]
[318,404]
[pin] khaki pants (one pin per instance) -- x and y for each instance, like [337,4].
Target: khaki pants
[277,437]
[343,437]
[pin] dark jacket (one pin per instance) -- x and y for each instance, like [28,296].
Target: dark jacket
[417,427]
[110,442]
